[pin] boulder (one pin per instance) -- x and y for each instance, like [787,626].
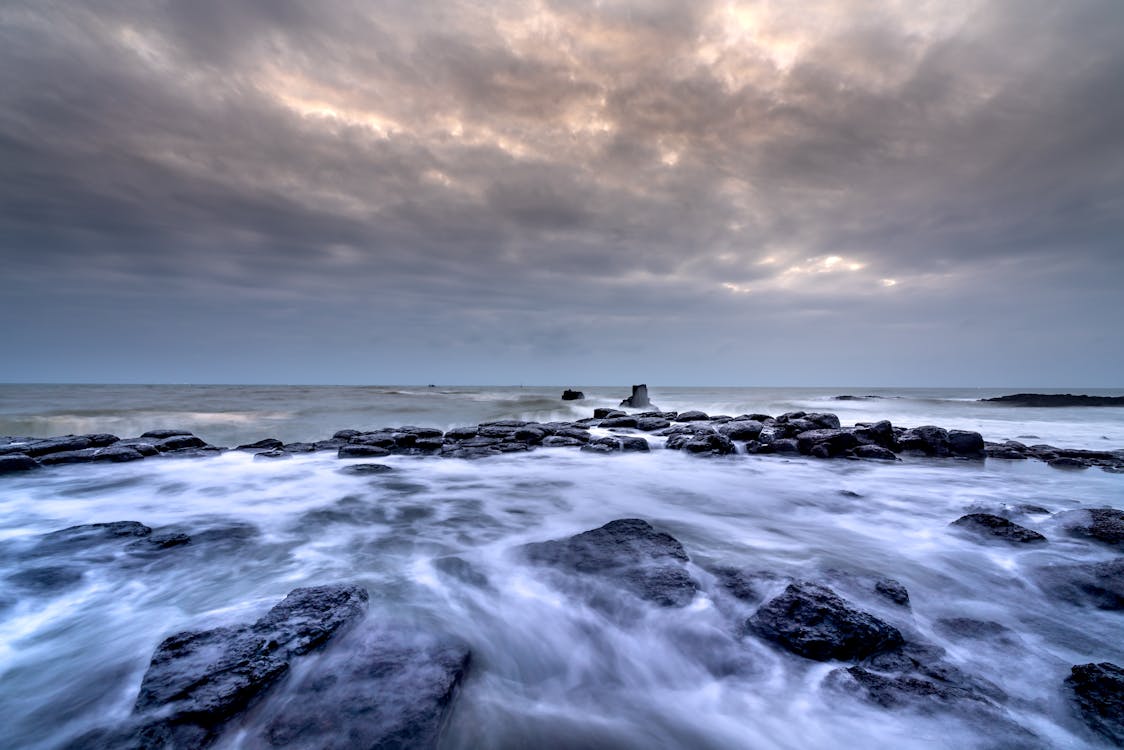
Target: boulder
[876,452]
[603,413]
[996,527]
[362,451]
[619,422]
[163,434]
[898,690]
[13,463]
[648,424]
[812,621]
[383,688]
[823,420]
[179,442]
[365,470]
[57,445]
[1097,691]
[836,442]
[1100,585]
[634,445]
[928,439]
[746,429]
[559,441]
[627,552]
[875,433]
[266,445]
[691,416]
[702,444]
[272,455]
[638,399]
[571,395]
[1104,525]
[966,443]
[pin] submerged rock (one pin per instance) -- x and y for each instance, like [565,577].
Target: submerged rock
[1100,524]
[628,551]
[363,470]
[1097,691]
[1056,399]
[13,463]
[1100,585]
[996,527]
[571,395]
[383,688]
[812,621]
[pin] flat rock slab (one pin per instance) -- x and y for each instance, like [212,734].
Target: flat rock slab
[991,526]
[814,622]
[199,680]
[383,688]
[1097,690]
[628,551]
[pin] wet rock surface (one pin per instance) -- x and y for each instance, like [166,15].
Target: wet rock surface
[814,622]
[1097,691]
[989,526]
[1099,585]
[1105,525]
[629,552]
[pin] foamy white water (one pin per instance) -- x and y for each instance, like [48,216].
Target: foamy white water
[550,670]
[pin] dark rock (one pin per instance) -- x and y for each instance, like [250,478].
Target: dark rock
[746,585]
[702,444]
[557,441]
[785,445]
[648,424]
[362,451]
[364,470]
[570,395]
[741,429]
[57,445]
[90,535]
[619,422]
[386,688]
[835,441]
[46,578]
[788,416]
[893,691]
[345,434]
[603,413]
[304,447]
[376,439]
[997,527]
[113,453]
[266,444]
[875,433]
[813,622]
[822,450]
[823,420]
[876,452]
[163,434]
[462,571]
[461,433]
[1100,585]
[1101,524]
[928,439]
[602,445]
[1056,399]
[199,680]
[627,551]
[634,445]
[691,416]
[10,464]
[162,541]
[429,444]
[968,627]
[966,443]
[179,442]
[1097,691]
[638,399]
[272,455]
[1069,463]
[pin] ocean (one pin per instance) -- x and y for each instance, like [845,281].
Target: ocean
[550,669]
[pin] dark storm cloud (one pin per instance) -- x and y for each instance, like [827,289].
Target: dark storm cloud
[614,180]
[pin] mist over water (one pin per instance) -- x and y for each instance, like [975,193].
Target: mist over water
[435,542]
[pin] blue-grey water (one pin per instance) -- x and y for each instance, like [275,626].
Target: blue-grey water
[550,671]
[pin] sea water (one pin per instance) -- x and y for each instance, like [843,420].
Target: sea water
[549,670]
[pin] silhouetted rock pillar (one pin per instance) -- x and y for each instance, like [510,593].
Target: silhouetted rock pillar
[639,397]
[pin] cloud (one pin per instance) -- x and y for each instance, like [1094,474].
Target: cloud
[619,168]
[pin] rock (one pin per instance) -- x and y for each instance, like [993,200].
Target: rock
[113,453]
[557,441]
[648,424]
[1097,691]
[1101,524]
[628,552]
[894,691]
[1100,585]
[785,445]
[812,621]
[836,442]
[747,585]
[363,470]
[45,579]
[876,452]
[272,455]
[13,463]
[305,447]
[571,395]
[384,688]
[741,429]
[362,451]
[1067,462]
[634,445]
[161,541]
[461,433]
[602,446]
[967,627]
[179,442]
[997,527]
[875,433]
[266,444]
[57,445]
[638,399]
[619,422]
[788,416]
[892,590]
[81,537]
[966,443]
[702,444]
[824,421]
[603,413]
[199,680]
[691,416]
[163,434]
[348,434]
[1056,399]
[928,439]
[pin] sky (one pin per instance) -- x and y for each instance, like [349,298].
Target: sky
[828,192]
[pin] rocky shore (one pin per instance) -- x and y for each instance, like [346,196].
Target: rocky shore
[608,431]
[316,670]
